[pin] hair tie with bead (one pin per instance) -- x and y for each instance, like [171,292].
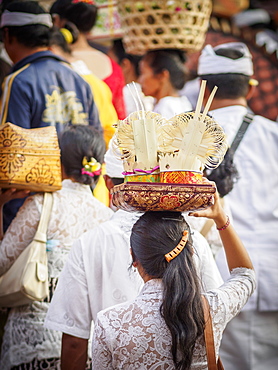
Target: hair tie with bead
[67,35]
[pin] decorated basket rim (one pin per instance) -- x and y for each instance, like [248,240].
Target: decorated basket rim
[163,185]
[142,197]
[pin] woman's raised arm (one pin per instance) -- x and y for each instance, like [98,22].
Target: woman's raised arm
[236,253]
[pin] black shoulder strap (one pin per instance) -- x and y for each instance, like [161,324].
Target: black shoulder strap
[247,119]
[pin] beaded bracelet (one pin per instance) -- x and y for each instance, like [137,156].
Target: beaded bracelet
[225,226]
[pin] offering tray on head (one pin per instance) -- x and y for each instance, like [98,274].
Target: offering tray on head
[143,196]
[164,160]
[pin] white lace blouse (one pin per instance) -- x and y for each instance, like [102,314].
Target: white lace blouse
[133,335]
[75,211]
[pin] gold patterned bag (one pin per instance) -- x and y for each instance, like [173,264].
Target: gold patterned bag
[27,279]
[29,158]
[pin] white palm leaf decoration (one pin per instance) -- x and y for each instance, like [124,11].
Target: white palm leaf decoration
[191,141]
[136,137]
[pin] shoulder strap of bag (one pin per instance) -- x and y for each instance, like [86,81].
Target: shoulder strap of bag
[40,235]
[247,119]
[209,340]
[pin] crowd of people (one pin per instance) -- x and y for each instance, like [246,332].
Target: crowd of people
[127,290]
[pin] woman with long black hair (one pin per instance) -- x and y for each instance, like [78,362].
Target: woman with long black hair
[163,327]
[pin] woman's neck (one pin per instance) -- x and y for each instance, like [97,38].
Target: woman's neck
[81,43]
[166,90]
[143,273]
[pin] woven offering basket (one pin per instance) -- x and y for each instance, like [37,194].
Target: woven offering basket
[134,197]
[164,24]
[29,158]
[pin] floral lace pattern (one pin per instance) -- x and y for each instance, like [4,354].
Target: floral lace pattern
[74,212]
[133,335]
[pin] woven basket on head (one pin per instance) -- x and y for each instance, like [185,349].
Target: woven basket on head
[164,24]
[29,158]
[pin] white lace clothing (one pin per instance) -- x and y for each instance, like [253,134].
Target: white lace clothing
[169,106]
[75,211]
[98,276]
[133,335]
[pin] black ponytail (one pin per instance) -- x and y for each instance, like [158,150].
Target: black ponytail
[77,142]
[154,235]
[82,14]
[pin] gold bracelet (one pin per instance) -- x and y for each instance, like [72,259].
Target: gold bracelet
[225,226]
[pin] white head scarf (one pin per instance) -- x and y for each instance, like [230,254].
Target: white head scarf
[211,63]
[24,19]
[114,165]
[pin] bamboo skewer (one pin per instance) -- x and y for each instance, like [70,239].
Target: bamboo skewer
[205,112]
[193,134]
[200,99]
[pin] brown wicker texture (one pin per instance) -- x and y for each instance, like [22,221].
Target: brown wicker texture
[29,158]
[134,197]
[164,24]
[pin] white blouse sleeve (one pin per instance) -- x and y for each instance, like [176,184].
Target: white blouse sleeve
[228,300]
[101,355]
[20,233]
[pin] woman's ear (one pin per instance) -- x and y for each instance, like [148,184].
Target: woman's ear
[58,21]
[134,263]
[164,75]
[108,182]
